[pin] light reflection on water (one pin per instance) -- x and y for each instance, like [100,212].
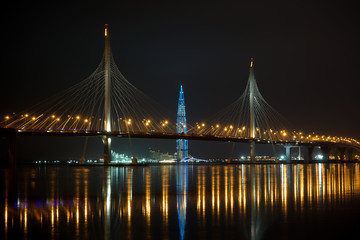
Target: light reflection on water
[180,202]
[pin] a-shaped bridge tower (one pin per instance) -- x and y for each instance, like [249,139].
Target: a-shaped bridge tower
[107,101]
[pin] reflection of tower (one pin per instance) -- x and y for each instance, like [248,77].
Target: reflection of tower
[181,144]
[181,189]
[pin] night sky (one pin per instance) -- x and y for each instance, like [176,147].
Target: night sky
[306,55]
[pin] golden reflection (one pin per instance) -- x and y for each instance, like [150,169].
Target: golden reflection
[52,217]
[165,195]
[6,216]
[258,187]
[203,194]
[226,189]
[218,192]
[236,190]
[107,204]
[198,192]
[231,192]
[86,189]
[165,192]
[77,216]
[240,198]
[68,216]
[129,194]
[147,195]
[284,187]
[212,191]
[25,220]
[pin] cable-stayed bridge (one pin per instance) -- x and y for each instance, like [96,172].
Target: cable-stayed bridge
[106,104]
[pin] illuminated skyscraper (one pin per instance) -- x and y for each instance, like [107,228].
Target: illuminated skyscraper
[181,127]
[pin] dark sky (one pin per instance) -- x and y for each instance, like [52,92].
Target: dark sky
[306,54]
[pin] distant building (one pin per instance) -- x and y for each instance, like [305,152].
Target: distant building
[159,156]
[120,157]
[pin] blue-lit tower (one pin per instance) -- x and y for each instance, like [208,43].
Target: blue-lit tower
[181,127]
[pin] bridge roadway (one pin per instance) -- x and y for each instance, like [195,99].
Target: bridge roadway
[165,135]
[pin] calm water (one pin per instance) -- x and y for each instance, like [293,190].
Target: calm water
[313,201]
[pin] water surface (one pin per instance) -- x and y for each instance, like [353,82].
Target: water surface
[302,201]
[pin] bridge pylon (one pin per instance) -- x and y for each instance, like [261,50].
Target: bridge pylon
[252,88]
[107,100]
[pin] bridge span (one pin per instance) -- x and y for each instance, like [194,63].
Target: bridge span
[107,105]
[161,135]
[344,151]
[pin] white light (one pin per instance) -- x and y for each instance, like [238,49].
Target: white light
[320,156]
[167,161]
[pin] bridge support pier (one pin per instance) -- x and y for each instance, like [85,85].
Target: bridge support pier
[299,155]
[326,152]
[349,154]
[288,153]
[107,150]
[134,160]
[308,154]
[252,152]
[8,152]
[342,151]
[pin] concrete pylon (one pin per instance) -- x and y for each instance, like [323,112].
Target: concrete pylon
[107,101]
[107,150]
[8,151]
[325,149]
[349,154]
[252,86]
[308,154]
[288,153]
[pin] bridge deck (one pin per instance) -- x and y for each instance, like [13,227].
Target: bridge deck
[160,135]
